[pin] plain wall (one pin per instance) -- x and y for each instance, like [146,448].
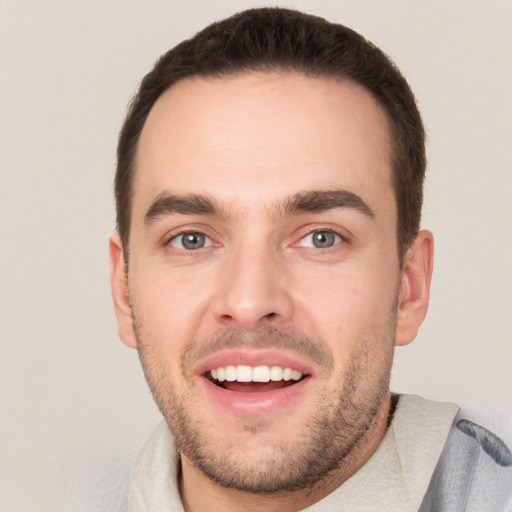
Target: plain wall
[72,394]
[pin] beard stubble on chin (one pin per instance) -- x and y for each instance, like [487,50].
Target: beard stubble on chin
[346,406]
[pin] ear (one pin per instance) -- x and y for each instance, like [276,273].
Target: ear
[414,287]
[119,285]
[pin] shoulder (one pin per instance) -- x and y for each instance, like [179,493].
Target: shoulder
[128,480]
[474,470]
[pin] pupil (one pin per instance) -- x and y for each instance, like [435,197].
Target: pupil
[323,239]
[193,241]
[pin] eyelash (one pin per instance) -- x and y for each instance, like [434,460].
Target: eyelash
[209,241]
[180,234]
[342,238]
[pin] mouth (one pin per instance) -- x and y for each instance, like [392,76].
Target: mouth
[254,379]
[252,383]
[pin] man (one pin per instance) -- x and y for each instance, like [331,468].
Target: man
[268,260]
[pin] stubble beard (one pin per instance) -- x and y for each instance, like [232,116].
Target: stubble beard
[346,410]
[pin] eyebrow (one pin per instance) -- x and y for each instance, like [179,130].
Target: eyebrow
[323,200]
[190,204]
[302,202]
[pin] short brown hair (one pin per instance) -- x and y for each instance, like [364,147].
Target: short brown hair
[269,39]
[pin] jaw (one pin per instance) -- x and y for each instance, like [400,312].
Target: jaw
[275,439]
[281,457]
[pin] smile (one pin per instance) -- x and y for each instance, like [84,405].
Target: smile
[253,382]
[263,373]
[256,379]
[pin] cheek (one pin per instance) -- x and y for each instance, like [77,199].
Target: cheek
[166,309]
[343,307]
[346,297]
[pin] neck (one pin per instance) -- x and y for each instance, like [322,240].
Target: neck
[199,493]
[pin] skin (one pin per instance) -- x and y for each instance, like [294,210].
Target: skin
[250,143]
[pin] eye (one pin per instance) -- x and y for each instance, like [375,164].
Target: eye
[320,239]
[190,241]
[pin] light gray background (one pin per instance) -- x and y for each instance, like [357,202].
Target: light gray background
[72,394]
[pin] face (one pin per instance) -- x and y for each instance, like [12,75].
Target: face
[264,279]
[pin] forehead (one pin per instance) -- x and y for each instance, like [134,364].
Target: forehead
[256,136]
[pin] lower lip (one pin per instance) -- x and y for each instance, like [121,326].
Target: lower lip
[254,404]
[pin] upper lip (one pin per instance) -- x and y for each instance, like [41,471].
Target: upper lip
[251,357]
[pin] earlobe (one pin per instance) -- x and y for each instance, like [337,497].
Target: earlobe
[414,291]
[119,286]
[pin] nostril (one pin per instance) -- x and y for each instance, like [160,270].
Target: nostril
[270,315]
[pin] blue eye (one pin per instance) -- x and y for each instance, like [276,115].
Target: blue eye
[320,240]
[190,241]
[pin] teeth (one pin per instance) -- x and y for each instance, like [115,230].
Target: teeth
[276,373]
[261,374]
[296,375]
[230,373]
[243,373]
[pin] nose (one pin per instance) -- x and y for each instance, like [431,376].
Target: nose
[253,291]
